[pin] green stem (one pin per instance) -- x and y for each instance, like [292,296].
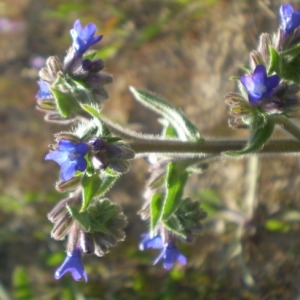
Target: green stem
[288,126]
[148,143]
[210,147]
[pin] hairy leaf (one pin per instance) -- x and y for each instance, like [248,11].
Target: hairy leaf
[66,103]
[90,187]
[184,128]
[275,61]
[155,210]
[175,181]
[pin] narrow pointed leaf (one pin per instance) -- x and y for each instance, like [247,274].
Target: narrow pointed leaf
[184,128]
[155,210]
[93,111]
[275,61]
[106,183]
[175,182]
[66,104]
[90,187]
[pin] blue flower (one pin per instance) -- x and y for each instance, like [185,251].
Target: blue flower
[73,265]
[70,157]
[83,37]
[44,92]
[170,254]
[151,243]
[259,85]
[290,19]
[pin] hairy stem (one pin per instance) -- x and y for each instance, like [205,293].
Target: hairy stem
[210,146]
[288,126]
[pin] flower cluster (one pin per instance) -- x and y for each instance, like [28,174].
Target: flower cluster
[72,156]
[96,151]
[268,87]
[85,234]
[61,84]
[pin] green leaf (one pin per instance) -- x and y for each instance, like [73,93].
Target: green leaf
[93,111]
[275,62]
[90,187]
[286,64]
[260,131]
[291,53]
[155,210]
[81,217]
[106,183]
[173,224]
[79,91]
[66,103]
[169,131]
[184,128]
[175,181]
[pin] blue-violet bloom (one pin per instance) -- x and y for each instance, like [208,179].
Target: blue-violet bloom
[44,92]
[83,37]
[290,19]
[73,265]
[259,85]
[170,254]
[151,243]
[70,157]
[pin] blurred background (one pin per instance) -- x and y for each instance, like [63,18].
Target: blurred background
[185,51]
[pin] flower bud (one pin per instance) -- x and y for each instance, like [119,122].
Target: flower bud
[255,59]
[50,72]
[263,47]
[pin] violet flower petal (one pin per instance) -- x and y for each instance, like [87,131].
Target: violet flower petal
[151,243]
[170,254]
[70,157]
[290,19]
[44,92]
[259,85]
[83,37]
[72,264]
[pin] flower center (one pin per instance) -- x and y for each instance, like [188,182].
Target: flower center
[260,89]
[73,155]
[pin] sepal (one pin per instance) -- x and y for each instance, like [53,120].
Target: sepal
[107,226]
